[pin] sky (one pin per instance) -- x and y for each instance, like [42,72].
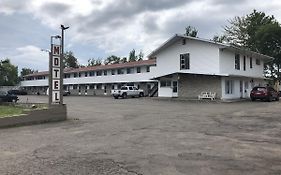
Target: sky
[100,28]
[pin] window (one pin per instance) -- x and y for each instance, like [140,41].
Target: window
[99,73]
[75,86]
[229,87]
[129,71]
[258,62]
[237,61]
[75,75]
[147,68]
[86,74]
[120,71]
[251,62]
[92,74]
[130,88]
[124,88]
[184,61]
[165,83]
[183,41]
[79,74]
[138,69]
[105,72]
[112,72]
[98,86]
[244,63]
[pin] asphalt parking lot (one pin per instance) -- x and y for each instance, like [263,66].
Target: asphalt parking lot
[147,136]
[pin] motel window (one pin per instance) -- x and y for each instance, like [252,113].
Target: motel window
[92,74]
[112,72]
[138,69]
[105,72]
[237,62]
[184,61]
[229,87]
[251,62]
[75,75]
[98,86]
[165,83]
[99,73]
[244,63]
[120,71]
[258,62]
[147,68]
[86,74]
[79,74]
[129,70]
[75,86]
[92,86]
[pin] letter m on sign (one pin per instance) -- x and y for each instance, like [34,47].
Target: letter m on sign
[56,50]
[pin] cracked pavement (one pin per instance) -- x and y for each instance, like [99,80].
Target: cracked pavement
[147,136]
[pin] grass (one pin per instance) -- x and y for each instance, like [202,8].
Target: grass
[7,111]
[18,109]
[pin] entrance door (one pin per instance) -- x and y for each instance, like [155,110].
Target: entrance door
[241,89]
[175,88]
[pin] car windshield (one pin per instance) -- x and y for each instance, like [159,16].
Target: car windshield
[123,88]
[259,89]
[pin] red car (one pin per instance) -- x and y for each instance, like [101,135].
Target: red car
[264,93]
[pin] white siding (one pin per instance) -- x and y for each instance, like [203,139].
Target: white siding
[204,58]
[227,59]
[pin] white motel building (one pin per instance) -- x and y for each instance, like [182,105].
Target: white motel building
[183,66]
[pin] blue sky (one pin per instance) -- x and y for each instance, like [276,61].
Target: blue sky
[99,28]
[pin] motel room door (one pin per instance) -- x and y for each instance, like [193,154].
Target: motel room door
[175,88]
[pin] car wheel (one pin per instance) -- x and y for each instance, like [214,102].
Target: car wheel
[141,94]
[116,97]
[269,99]
[253,99]
[124,95]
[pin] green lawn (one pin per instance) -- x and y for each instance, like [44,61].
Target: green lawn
[6,111]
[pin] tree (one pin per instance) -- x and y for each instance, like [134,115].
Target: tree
[94,62]
[260,33]
[70,60]
[8,73]
[140,56]
[112,60]
[132,56]
[123,60]
[26,71]
[191,31]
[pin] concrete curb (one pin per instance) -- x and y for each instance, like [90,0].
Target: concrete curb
[53,114]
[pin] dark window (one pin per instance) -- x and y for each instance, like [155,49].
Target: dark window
[75,75]
[120,71]
[129,71]
[147,68]
[184,61]
[124,88]
[258,62]
[92,86]
[183,41]
[98,86]
[244,63]
[79,74]
[251,62]
[105,72]
[92,74]
[237,61]
[229,87]
[86,74]
[112,72]
[75,86]
[165,83]
[130,88]
[138,69]
[99,73]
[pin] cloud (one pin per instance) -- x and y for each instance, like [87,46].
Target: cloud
[31,57]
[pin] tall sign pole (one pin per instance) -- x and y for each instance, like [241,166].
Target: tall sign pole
[63,28]
[55,73]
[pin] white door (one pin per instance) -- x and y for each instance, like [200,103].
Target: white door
[175,88]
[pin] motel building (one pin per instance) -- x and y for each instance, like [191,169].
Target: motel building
[183,66]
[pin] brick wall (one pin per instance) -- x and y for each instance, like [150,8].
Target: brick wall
[190,86]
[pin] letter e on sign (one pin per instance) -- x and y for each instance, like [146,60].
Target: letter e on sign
[56,85]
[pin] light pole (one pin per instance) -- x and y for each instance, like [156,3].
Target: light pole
[63,28]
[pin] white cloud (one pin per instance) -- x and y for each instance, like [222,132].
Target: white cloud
[31,57]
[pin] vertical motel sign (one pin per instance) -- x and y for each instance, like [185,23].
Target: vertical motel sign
[56,73]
